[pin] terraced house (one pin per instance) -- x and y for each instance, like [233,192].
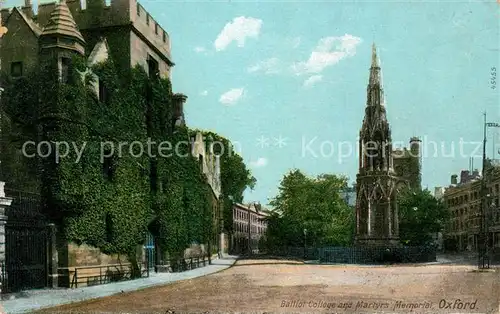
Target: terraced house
[249,227]
[463,200]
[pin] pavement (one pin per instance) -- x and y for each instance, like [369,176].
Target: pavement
[46,298]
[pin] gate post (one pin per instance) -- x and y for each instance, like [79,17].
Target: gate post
[52,258]
[4,203]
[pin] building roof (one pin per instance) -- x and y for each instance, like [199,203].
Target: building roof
[62,23]
[251,207]
[32,25]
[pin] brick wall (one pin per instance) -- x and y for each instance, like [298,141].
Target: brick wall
[84,255]
[72,255]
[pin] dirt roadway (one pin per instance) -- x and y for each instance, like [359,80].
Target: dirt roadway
[258,286]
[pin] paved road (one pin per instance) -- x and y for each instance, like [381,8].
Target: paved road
[36,299]
[258,286]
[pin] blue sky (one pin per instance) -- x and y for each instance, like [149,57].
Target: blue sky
[299,71]
[436,61]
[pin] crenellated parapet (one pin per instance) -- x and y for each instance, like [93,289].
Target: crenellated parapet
[91,14]
[121,12]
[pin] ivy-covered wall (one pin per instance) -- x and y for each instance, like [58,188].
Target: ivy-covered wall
[235,177]
[109,203]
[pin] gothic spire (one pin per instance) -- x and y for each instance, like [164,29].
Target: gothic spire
[375,72]
[374,57]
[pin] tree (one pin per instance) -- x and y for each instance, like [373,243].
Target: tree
[310,203]
[421,216]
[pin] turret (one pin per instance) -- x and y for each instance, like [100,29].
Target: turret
[178,117]
[415,147]
[61,32]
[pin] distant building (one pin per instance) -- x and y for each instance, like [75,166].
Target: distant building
[407,163]
[349,195]
[439,192]
[248,223]
[463,201]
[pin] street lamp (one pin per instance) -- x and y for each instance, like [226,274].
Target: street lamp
[305,244]
[483,247]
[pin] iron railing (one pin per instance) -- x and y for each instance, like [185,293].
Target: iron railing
[100,274]
[26,206]
[360,255]
[183,264]
[3,278]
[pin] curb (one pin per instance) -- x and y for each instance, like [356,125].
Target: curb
[43,309]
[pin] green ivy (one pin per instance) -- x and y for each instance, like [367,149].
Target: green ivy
[235,176]
[167,196]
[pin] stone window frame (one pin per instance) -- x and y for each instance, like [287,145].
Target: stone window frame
[13,66]
[64,70]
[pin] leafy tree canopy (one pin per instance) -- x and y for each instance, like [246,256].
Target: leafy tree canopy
[314,204]
[421,215]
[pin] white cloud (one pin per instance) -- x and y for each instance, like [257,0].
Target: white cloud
[204,93]
[238,30]
[232,96]
[329,51]
[261,162]
[199,49]
[269,66]
[313,80]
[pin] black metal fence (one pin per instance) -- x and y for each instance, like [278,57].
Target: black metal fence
[183,264]
[26,238]
[26,206]
[85,276]
[3,276]
[359,255]
[295,252]
[377,255]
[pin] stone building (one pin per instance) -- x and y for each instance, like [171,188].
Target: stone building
[349,195]
[463,201]
[382,171]
[123,31]
[58,30]
[407,164]
[248,223]
[439,192]
[210,166]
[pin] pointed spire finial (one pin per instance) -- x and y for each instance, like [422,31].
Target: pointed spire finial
[374,56]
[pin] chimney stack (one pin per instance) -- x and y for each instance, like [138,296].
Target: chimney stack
[27,9]
[464,176]
[475,173]
[454,179]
